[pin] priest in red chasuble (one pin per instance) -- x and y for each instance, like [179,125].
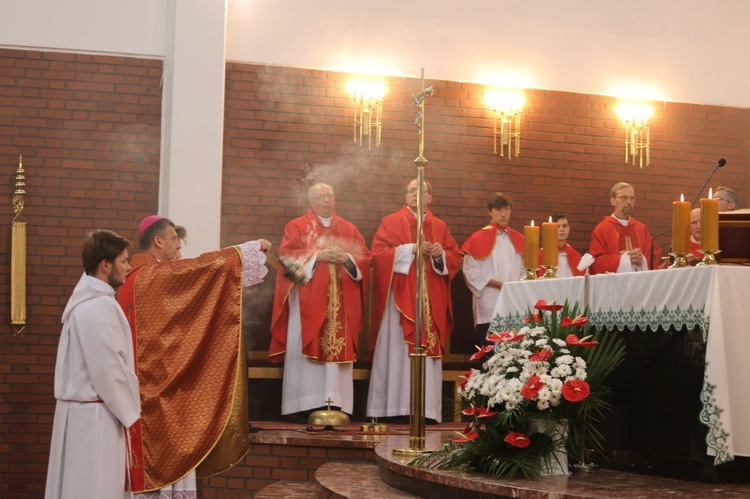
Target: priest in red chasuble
[695,237]
[186,320]
[315,327]
[392,334]
[620,243]
[493,255]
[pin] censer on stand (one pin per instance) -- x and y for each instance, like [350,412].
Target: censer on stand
[327,418]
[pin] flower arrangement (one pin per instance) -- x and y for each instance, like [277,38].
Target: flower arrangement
[546,375]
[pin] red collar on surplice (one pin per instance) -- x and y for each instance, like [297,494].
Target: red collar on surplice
[480,244]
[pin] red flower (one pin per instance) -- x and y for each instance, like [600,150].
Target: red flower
[479,412]
[509,336]
[541,355]
[466,376]
[573,340]
[575,390]
[527,320]
[468,437]
[496,337]
[517,439]
[481,351]
[578,321]
[531,389]
[543,305]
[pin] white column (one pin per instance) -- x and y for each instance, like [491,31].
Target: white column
[193,121]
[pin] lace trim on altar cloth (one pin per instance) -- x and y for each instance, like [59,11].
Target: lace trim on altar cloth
[625,319]
[710,416]
[253,263]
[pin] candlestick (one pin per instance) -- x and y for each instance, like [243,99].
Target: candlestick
[709,223]
[549,244]
[531,248]
[681,226]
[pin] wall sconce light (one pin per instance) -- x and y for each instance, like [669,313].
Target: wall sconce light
[506,109]
[368,110]
[637,132]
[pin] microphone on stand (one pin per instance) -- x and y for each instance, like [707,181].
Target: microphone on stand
[720,163]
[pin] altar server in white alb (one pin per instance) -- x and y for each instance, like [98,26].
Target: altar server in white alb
[95,382]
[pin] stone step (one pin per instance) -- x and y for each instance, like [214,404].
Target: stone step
[290,490]
[349,480]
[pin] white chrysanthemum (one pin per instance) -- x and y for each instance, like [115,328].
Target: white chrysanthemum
[544,393]
[581,373]
[565,351]
[555,399]
[542,405]
[541,342]
[580,363]
[559,342]
[561,371]
[564,359]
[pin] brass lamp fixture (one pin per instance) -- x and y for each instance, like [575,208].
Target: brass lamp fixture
[368,110]
[507,107]
[637,133]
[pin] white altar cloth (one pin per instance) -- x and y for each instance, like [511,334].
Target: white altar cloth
[710,298]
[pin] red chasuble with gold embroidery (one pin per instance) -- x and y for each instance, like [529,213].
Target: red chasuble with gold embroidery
[610,238]
[401,228]
[480,244]
[185,317]
[331,302]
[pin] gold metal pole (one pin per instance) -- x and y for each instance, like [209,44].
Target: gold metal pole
[418,358]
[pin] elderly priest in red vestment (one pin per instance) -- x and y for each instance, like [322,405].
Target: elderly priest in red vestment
[186,321]
[315,327]
[393,332]
[620,243]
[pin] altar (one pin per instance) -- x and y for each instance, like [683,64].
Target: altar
[683,389]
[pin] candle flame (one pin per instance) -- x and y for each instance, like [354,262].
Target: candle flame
[682,198]
[710,193]
[550,219]
[532,223]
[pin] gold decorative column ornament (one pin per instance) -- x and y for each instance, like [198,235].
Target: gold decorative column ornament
[18,256]
[418,358]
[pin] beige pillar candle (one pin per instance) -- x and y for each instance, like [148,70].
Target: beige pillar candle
[681,226]
[531,247]
[549,243]
[710,223]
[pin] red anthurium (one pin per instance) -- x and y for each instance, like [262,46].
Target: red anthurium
[541,355]
[575,390]
[496,337]
[517,439]
[527,320]
[578,321]
[480,412]
[543,305]
[466,376]
[573,340]
[465,438]
[531,389]
[481,351]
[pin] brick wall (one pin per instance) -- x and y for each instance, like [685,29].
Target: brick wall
[282,122]
[89,128]
[89,131]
